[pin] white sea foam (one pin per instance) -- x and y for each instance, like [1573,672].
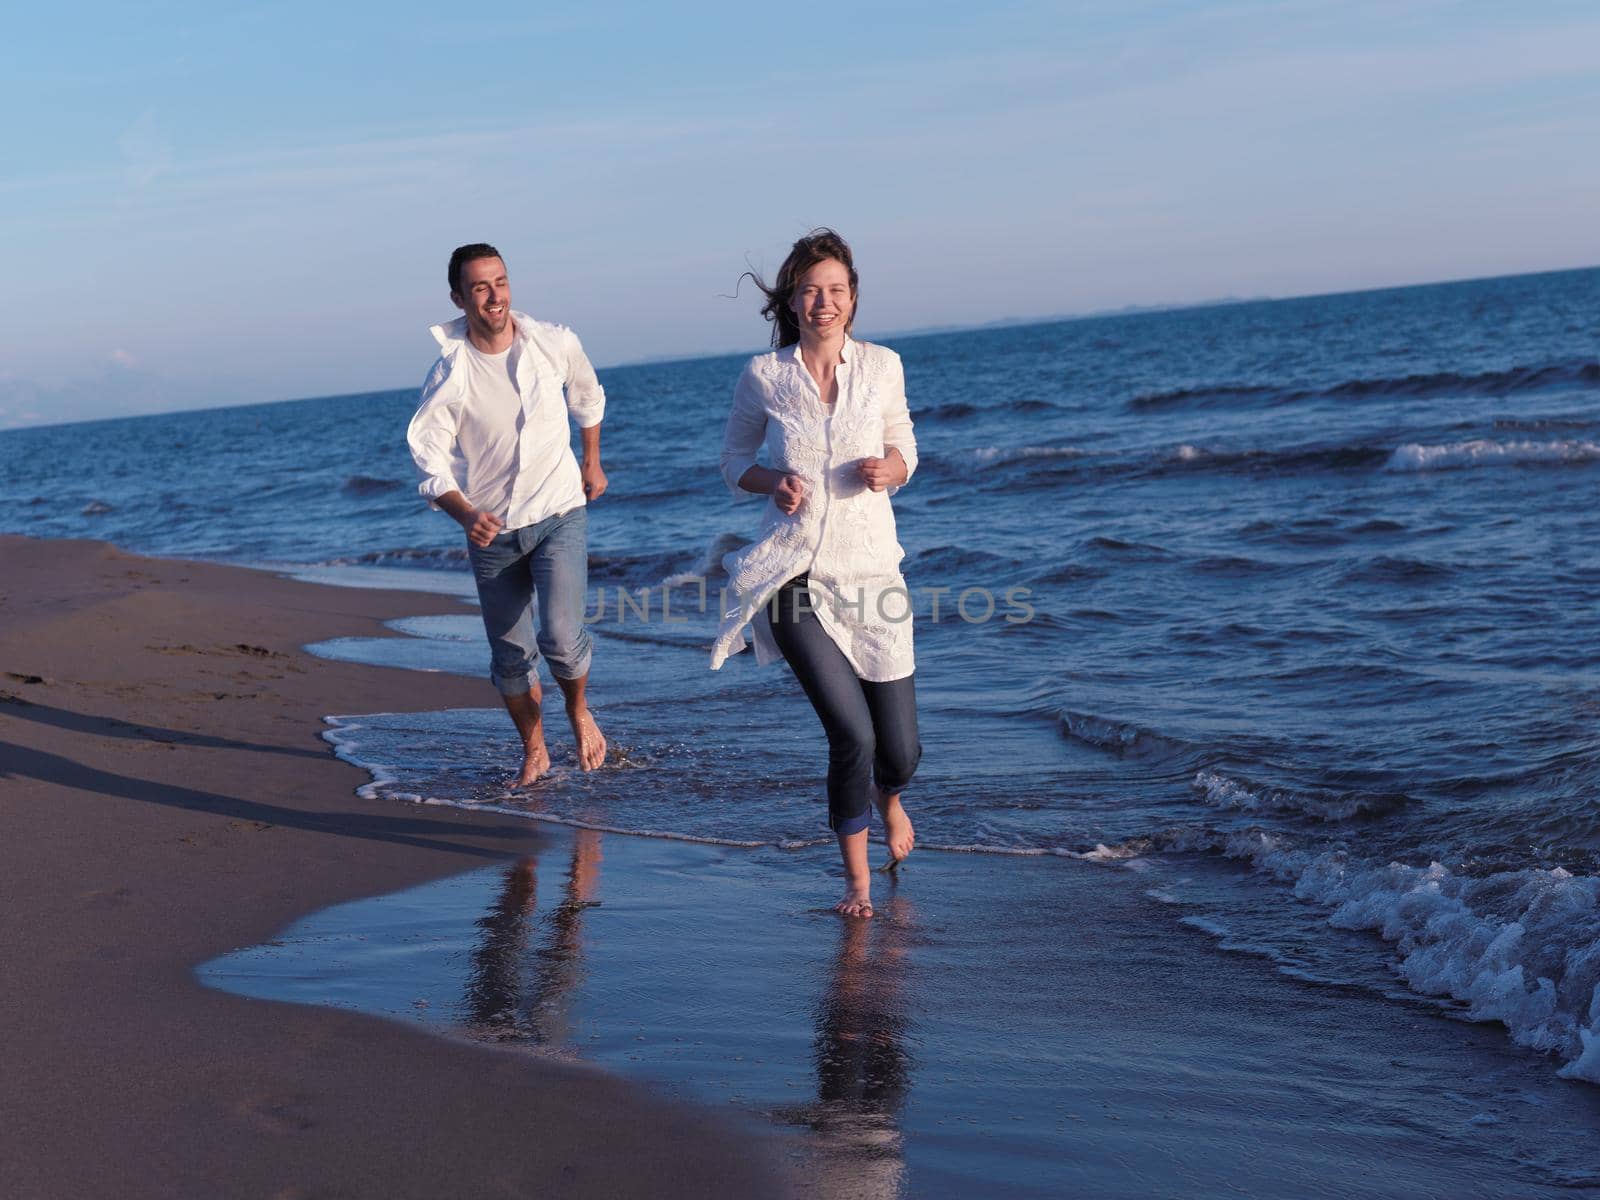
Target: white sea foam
[683,579]
[1003,454]
[1414,456]
[1221,791]
[1518,947]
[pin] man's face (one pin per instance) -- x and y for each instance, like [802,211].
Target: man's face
[485,296]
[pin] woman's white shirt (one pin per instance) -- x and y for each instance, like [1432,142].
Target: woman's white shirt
[843,534]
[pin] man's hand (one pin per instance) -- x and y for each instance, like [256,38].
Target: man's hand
[886,472]
[594,479]
[481,526]
[788,494]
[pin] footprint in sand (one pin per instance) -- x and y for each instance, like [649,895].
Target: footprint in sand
[276,1116]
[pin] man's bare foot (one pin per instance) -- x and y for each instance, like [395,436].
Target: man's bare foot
[528,717]
[897,830]
[591,742]
[535,762]
[856,902]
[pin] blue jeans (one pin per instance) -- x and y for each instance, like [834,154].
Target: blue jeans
[544,564]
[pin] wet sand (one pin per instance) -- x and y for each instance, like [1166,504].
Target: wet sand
[165,799]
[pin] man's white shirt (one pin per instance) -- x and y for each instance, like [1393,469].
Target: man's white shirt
[494,427]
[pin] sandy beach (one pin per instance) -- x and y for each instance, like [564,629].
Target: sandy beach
[166,798]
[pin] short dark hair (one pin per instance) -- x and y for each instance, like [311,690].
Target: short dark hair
[465,254]
[817,246]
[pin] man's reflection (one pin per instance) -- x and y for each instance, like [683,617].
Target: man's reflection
[512,994]
[863,1067]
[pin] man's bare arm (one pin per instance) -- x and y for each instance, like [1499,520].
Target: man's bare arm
[594,476]
[481,526]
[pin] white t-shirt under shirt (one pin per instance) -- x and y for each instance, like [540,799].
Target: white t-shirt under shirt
[498,417]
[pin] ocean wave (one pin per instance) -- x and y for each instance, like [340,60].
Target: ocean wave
[1576,375]
[665,568]
[433,557]
[1517,946]
[1482,452]
[1223,791]
[945,560]
[1388,569]
[1202,397]
[990,455]
[1068,572]
[366,485]
[1122,738]
[1274,460]
[1131,550]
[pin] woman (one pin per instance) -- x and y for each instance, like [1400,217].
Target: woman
[822,584]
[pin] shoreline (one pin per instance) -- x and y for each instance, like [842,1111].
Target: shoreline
[168,798]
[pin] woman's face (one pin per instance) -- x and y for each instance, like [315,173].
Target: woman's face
[823,302]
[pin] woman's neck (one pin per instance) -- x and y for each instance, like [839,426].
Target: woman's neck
[822,354]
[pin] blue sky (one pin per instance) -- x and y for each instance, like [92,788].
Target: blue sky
[207,204]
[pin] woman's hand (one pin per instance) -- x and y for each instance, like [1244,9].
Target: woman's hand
[788,493]
[788,490]
[886,472]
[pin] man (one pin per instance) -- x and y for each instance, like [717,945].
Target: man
[492,443]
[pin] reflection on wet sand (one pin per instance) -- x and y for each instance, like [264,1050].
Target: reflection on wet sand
[512,995]
[862,1064]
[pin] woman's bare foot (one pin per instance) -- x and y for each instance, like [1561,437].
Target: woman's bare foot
[857,898]
[897,830]
[591,742]
[856,902]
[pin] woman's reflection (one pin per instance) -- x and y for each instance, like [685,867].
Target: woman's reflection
[512,994]
[863,1067]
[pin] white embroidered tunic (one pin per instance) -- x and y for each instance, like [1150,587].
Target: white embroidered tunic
[843,534]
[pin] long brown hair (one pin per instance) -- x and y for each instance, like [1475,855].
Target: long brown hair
[817,246]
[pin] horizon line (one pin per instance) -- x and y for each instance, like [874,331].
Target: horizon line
[923,331]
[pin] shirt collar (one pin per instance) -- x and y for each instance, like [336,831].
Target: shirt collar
[846,352]
[450,334]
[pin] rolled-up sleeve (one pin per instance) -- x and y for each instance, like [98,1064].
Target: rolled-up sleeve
[586,399]
[897,430]
[432,436]
[746,430]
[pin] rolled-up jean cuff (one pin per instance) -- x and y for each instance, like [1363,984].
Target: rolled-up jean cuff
[585,660]
[515,685]
[849,825]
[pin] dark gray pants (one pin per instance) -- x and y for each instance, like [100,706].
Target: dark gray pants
[871,727]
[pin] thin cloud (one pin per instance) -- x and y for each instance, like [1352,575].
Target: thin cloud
[146,152]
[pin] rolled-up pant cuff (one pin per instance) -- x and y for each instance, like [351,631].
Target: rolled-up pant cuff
[516,685]
[845,826]
[568,670]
